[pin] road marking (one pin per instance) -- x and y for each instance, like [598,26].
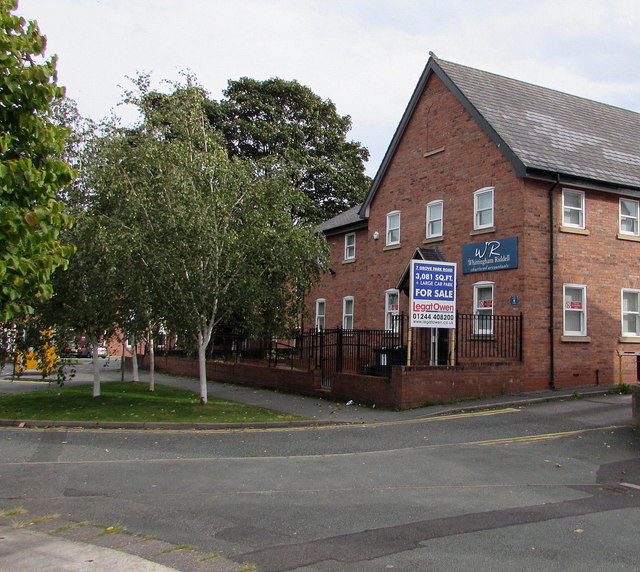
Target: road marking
[630,485]
[540,437]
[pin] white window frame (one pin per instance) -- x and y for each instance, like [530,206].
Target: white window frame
[570,308]
[480,308]
[347,316]
[433,218]
[628,315]
[480,212]
[634,219]
[321,313]
[393,228]
[350,246]
[391,310]
[569,209]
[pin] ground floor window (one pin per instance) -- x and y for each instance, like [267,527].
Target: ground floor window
[483,308]
[347,313]
[391,310]
[631,313]
[575,310]
[321,308]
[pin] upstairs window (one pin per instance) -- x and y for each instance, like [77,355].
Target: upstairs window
[573,209]
[483,208]
[393,228]
[629,217]
[347,313]
[575,310]
[434,219]
[631,313]
[350,246]
[321,308]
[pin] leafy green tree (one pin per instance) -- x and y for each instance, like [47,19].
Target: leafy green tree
[214,236]
[31,174]
[285,126]
[86,294]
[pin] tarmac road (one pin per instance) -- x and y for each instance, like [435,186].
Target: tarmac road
[551,486]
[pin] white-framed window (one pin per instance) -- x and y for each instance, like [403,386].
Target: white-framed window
[347,313]
[350,246]
[575,310]
[483,308]
[629,217]
[321,311]
[391,310]
[434,218]
[393,228]
[573,208]
[483,208]
[630,313]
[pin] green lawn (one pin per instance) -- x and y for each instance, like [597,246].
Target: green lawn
[127,401]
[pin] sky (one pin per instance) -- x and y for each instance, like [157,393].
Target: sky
[364,55]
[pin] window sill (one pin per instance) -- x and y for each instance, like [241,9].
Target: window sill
[483,337]
[571,230]
[349,261]
[629,340]
[482,230]
[391,247]
[575,339]
[433,239]
[630,237]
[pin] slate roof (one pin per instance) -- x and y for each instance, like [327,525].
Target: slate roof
[551,131]
[344,219]
[544,133]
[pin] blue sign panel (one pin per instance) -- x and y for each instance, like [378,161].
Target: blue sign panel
[490,255]
[433,294]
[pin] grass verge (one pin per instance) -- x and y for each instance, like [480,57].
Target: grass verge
[131,401]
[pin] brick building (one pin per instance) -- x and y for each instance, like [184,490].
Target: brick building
[485,165]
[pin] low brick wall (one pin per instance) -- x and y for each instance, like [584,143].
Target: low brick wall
[407,387]
[635,404]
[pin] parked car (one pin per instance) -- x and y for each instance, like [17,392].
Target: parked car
[87,351]
[72,350]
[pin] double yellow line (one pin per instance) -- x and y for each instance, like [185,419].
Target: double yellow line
[540,437]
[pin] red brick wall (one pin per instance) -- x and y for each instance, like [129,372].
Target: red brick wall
[470,161]
[408,386]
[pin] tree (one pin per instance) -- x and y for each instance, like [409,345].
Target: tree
[31,174]
[215,236]
[284,125]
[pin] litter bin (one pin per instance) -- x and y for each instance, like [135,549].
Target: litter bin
[387,356]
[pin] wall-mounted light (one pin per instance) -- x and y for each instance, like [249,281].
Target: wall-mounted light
[376,235]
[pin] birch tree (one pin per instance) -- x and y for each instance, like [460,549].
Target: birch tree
[215,236]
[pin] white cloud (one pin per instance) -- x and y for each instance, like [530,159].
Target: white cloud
[365,55]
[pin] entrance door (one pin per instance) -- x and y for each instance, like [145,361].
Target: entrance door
[439,354]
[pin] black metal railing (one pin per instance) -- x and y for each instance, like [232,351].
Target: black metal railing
[481,336]
[344,350]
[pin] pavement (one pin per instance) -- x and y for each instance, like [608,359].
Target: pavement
[30,544]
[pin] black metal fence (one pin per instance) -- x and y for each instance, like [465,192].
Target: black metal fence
[374,352]
[488,336]
[338,350]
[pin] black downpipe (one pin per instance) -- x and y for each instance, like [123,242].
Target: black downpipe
[552,287]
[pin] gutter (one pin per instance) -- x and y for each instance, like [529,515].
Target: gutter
[552,287]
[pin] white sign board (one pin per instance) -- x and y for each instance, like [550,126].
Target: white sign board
[433,294]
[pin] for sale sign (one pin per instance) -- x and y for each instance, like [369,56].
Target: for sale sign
[433,294]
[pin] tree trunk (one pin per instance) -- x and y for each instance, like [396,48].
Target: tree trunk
[152,364]
[203,341]
[134,361]
[96,368]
